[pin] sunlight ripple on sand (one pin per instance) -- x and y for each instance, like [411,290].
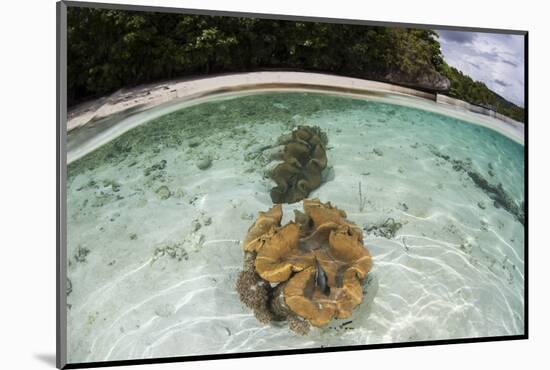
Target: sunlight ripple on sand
[154,241]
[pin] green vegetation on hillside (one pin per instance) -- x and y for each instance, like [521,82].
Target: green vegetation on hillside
[465,88]
[111,49]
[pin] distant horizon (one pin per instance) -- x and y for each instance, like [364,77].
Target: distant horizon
[495,59]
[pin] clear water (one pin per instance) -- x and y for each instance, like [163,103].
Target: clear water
[153,241]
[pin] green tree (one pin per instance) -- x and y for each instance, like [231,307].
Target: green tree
[110,49]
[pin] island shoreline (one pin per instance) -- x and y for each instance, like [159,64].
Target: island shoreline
[94,123]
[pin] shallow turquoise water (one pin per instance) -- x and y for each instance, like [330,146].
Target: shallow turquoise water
[454,269]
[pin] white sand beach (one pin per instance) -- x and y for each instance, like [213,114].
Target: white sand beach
[94,123]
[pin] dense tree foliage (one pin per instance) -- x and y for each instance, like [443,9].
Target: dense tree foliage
[109,49]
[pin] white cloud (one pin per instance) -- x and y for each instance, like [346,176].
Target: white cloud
[495,59]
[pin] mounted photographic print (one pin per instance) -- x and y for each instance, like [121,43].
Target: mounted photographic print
[234,184]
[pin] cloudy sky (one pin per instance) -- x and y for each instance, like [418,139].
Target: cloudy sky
[495,59]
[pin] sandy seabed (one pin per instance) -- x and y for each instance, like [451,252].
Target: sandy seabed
[154,241]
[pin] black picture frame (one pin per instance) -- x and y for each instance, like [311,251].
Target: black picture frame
[61,166]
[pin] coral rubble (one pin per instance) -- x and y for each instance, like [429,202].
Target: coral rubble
[495,192]
[308,271]
[304,158]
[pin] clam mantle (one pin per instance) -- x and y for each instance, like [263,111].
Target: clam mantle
[308,271]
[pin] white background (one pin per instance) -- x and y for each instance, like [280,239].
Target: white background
[27,182]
